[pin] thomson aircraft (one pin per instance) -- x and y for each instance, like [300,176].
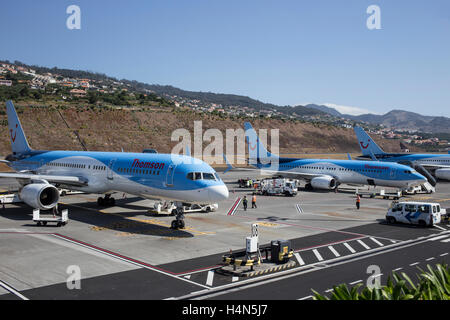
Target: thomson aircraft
[329,173]
[179,178]
[438,164]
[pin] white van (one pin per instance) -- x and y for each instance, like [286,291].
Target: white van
[421,213]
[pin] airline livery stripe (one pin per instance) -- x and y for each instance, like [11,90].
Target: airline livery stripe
[233,209]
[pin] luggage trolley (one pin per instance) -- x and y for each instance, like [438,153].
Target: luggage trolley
[60,221]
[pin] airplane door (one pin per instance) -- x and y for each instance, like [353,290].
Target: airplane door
[110,171]
[170,173]
[393,173]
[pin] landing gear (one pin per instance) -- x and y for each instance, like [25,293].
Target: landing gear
[178,223]
[107,201]
[308,187]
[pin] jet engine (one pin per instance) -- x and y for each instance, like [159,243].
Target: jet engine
[42,196]
[325,182]
[443,174]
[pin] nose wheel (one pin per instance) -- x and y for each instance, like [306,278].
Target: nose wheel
[178,223]
[106,201]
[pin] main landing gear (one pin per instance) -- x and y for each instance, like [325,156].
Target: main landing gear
[107,201]
[178,223]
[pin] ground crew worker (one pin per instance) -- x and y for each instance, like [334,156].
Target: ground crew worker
[244,202]
[358,201]
[254,201]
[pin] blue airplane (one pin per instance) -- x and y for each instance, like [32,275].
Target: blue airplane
[438,164]
[179,178]
[328,174]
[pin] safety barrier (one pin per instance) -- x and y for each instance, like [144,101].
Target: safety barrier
[276,268]
[232,260]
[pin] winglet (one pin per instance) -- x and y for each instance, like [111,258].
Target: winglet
[349,156]
[187,152]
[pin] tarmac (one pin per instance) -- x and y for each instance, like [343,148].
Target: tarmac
[123,252]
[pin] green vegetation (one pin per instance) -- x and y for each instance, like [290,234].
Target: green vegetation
[432,285]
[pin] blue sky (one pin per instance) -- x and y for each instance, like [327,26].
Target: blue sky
[283,52]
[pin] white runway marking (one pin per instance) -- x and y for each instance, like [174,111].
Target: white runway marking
[363,244]
[377,242]
[438,238]
[317,254]
[299,259]
[209,280]
[349,248]
[12,290]
[334,251]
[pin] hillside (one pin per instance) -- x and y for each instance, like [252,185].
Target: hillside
[134,129]
[398,119]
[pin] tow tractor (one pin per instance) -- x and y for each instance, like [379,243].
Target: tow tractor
[278,186]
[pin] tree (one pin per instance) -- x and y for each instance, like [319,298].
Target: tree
[433,285]
[92,97]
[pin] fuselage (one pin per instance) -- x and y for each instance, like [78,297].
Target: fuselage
[355,172]
[155,176]
[416,158]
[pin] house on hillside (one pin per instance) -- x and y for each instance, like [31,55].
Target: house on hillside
[78,93]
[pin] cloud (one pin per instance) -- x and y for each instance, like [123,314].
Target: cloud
[354,111]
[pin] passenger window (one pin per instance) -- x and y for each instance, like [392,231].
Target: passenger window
[438,208]
[424,209]
[434,209]
[208,176]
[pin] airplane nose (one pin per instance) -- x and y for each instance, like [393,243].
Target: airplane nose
[218,193]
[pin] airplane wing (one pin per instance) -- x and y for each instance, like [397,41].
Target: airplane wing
[67,180]
[285,174]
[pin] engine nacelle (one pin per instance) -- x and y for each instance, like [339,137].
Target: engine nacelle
[42,196]
[326,182]
[443,174]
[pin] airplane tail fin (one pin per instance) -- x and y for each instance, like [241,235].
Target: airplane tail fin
[19,143]
[367,145]
[257,153]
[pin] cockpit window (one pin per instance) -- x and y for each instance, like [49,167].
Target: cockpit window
[202,176]
[217,176]
[208,176]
